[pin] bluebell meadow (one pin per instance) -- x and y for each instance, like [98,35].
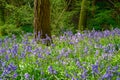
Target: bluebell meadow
[91,55]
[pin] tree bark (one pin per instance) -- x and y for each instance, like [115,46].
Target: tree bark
[83,15]
[42,20]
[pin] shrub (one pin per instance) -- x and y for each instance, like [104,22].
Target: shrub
[9,29]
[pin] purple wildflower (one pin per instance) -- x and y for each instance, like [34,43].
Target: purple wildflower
[84,74]
[95,68]
[97,52]
[22,54]
[28,48]
[71,42]
[40,55]
[78,64]
[15,75]
[3,64]
[6,71]
[86,50]
[50,69]
[9,51]
[48,52]
[26,75]
[13,67]
[53,45]
[14,50]
[67,75]
[108,74]
[73,78]
[7,57]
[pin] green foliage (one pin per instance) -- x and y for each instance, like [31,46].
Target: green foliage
[57,6]
[28,28]
[102,20]
[20,15]
[9,29]
[106,15]
[61,19]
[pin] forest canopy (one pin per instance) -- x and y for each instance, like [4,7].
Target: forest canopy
[64,15]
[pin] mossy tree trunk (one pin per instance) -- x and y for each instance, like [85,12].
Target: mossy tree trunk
[83,15]
[2,5]
[42,20]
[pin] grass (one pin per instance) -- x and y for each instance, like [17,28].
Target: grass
[91,55]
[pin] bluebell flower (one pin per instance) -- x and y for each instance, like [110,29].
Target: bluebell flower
[3,64]
[13,67]
[78,64]
[71,42]
[97,52]
[115,68]
[6,71]
[28,48]
[84,74]
[95,68]
[67,75]
[7,57]
[108,74]
[22,55]
[53,45]
[26,75]
[14,50]
[86,50]
[15,75]
[9,51]
[51,70]
[48,52]
[3,50]
[1,42]
[40,55]
[72,78]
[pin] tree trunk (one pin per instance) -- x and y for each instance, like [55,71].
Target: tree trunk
[42,20]
[2,20]
[93,5]
[83,15]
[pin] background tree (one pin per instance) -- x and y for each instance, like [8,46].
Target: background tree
[93,7]
[65,15]
[2,7]
[83,15]
[42,19]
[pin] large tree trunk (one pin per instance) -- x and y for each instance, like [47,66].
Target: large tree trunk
[83,15]
[2,20]
[42,20]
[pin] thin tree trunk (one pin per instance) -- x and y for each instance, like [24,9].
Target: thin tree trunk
[93,5]
[42,20]
[2,20]
[83,15]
